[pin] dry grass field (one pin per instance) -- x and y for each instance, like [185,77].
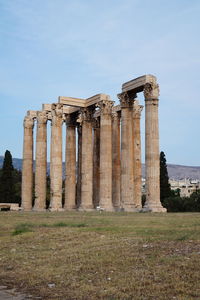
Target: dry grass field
[101,255]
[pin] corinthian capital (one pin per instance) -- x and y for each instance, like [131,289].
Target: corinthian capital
[70,119]
[28,122]
[57,109]
[137,109]
[105,106]
[57,114]
[115,116]
[42,117]
[96,123]
[86,114]
[126,99]
[151,91]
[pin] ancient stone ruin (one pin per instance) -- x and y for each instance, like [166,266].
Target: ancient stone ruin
[103,152]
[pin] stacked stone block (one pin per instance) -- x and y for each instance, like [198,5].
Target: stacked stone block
[103,152]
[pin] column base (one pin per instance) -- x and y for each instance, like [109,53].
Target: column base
[38,209]
[129,208]
[26,209]
[72,208]
[86,208]
[55,209]
[154,208]
[108,209]
[117,208]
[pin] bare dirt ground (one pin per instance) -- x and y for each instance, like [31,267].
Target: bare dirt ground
[101,255]
[12,294]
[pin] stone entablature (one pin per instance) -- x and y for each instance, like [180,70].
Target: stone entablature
[137,85]
[103,151]
[77,102]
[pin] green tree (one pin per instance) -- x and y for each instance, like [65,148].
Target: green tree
[165,190]
[7,189]
[17,178]
[193,202]
[183,204]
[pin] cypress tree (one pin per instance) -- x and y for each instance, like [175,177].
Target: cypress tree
[165,190]
[7,190]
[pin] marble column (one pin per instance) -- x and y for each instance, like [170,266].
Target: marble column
[96,161]
[27,167]
[106,155]
[70,163]
[152,161]
[137,165]
[116,160]
[87,161]
[56,158]
[41,162]
[127,192]
[78,184]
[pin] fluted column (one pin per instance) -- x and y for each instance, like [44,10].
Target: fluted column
[152,162]
[106,155]
[137,165]
[56,158]
[116,160]
[96,162]
[70,163]
[87,161]
[78,185]
[27,167]
[41,162]
[127,196]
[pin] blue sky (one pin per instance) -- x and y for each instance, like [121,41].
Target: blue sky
[83,47]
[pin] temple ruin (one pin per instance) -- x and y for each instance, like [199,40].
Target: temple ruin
[102,153]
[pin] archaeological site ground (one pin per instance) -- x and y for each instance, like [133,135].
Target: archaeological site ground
[93,255]
[95,240]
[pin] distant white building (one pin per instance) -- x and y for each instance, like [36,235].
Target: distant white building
[186,186]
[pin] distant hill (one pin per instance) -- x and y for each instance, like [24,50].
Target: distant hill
[174,171]
[17,162]
[179,172]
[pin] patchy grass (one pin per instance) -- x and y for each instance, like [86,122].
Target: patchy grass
[63,224]
[22,228]
[96,255]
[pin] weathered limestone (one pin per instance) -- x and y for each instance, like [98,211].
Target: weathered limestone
[149,85]
[116,160]
[70,163]
[56,158]
[96,162]
[106,155]
[81,103]
[27,168]
[137,167]
[137,84]
[127,195]
[78,185]
[41,162]
[105,171]
[86,160]
[152,162]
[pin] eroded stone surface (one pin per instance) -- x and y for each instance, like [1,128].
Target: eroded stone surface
[105,170]
[27,166]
